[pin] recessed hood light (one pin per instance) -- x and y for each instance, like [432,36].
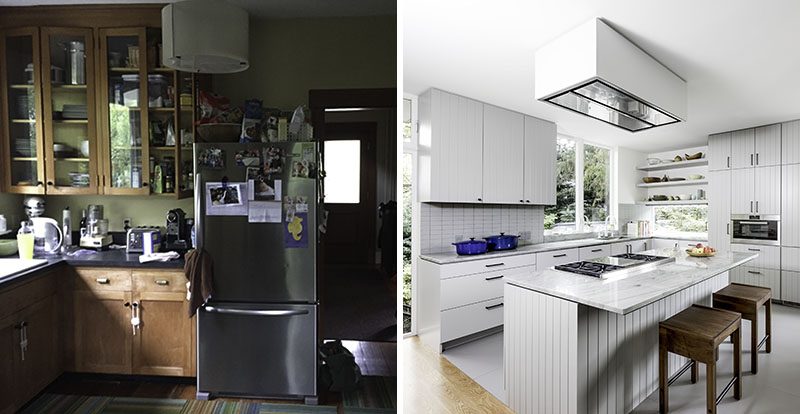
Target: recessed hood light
[595,71]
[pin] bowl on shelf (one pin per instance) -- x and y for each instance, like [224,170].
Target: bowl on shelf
[695,176]
[677,159]
[677,179]
[8,247]
[653,161]
[660,197]
[684,197]
[695,156]
[221,132]
[650,180]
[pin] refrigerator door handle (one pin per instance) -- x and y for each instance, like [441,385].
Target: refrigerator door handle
[257,312]
[198,211]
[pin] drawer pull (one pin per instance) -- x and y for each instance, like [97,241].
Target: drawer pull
[499,305]
[495,264]
[753,272]
[162,282]
[494,277]
[754,250]
[596,250]
[102,280]
[560,255]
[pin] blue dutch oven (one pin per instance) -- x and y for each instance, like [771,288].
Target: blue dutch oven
[502,242]
[470,247]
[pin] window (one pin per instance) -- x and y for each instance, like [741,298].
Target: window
[410,212]
[343,176]
[681,220]
[583,188]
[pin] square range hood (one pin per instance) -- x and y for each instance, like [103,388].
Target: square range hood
[595,71]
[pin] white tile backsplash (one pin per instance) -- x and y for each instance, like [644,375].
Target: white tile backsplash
[441,223]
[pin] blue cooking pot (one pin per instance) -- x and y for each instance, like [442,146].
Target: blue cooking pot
[502,242]
[470,247]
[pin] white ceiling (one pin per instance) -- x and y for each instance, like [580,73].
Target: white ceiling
[276,9]
[740,58]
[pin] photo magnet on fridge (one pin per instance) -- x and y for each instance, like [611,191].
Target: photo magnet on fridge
[263,187]
[295,232]
[212,158]
[273,160]
[248,158]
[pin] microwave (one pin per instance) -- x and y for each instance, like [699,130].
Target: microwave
[756,229]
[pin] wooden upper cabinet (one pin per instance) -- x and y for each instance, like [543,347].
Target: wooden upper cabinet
[124,132]
[70,138]
[21,106]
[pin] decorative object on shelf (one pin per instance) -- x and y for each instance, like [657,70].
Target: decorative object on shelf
[676,179]
[677,159]
[650,180]
[695,156]
[695,176]
[659,197]
[653,161]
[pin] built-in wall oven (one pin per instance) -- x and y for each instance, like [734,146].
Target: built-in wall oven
[756,229]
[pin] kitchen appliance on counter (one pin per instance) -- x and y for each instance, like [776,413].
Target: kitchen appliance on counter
[95,234]
[143,239]
[47,235]
[756,229]
[177,233]
[604,267]
[257,335]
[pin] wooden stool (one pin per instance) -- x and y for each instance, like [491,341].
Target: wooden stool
[746,300]
[695,333]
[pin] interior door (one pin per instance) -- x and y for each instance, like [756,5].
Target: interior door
[742,148]
[743,198]
[350,193]
[102,331]
[503,156]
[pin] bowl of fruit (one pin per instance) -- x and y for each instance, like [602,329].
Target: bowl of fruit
[701,251]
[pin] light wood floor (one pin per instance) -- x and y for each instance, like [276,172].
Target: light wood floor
[431,384]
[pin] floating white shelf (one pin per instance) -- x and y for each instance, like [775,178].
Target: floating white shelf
[674,165]
[673,183]
[673,203]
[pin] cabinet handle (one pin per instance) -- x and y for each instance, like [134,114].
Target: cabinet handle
[494,277]
[751,206]
[495,264]
[521,201]
[728,228]
[751,159]
[754,250]
[499,305]
[162,282]
[756,158]
[756,206]
[753,272]
[729,161]
[596,250]
[527,201]
[102,280]
[560,255]
[480,199]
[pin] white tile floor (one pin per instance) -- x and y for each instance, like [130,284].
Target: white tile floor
[776,388]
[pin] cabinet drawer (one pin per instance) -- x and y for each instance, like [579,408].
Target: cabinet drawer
[770,278]
[103,279]
[159,281]
[769,257]
[464,290]
[790,286]
[545,260]
[593,252]
[470,319]
[486,265]
[790,259]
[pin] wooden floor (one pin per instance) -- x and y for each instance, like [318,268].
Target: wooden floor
[431,384]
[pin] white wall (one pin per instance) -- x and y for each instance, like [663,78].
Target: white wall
[628,176]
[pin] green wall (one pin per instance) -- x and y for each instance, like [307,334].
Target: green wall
[143,210]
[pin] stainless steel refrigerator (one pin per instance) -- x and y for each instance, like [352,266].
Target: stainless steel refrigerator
[257,335]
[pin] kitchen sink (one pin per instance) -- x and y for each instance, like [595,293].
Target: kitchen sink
[10,267]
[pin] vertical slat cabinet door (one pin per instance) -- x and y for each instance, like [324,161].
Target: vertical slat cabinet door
[9,348]
[790,142]
[743,148]
[790,205]
[743,191]
[768,190]
[70,112]
[503,133]
[162,344]
[103,331]
[719,151]
[21,106]
[540,162]
[719,209]
[456,135]
[768,145]
[40,365]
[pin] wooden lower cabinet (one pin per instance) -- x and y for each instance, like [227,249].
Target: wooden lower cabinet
[40,363]
[162,344]
[102,331]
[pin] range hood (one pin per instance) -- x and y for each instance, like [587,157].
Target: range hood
[595,71]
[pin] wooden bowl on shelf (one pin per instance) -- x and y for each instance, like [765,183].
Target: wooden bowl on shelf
[650,180]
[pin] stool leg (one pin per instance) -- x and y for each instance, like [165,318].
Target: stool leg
[754,345]
[711,387]
[769,326]
[694,371]
[737,363]
[663,372]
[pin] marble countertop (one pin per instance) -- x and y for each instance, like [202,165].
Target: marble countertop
[630,292]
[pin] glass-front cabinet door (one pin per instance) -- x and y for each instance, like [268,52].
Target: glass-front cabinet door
[124,111]
[69,111]
[20,72]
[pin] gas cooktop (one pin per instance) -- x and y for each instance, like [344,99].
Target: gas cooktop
[605,266]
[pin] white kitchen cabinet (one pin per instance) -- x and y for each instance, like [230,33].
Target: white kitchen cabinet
[743,148]
[790,286]
[769,278]
[743,197]
[467,320]
[593,252]
[768,145]
[790,205]
[790,142]
[539,178]
[468,289]
[546,260]
[503,155]
[719,151]
[659,243]
[767,195]
[719,210]
[619,248]
[790,259]
[769,257]
[450,148]
[633,246]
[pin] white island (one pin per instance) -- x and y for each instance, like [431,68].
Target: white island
[579,344]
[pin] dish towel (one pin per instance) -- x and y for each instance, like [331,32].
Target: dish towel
[199,270]
[158,257]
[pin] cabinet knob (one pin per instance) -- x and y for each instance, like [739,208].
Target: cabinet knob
[162,282]
[144,184]
[521,201]
[527,201]
[480,199]
[39,183]
[49,183]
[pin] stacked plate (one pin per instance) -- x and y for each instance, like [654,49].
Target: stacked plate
[74,112]
[79,179]
[25,147]
[24,107]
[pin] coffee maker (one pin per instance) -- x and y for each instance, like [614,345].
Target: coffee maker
[177,233]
